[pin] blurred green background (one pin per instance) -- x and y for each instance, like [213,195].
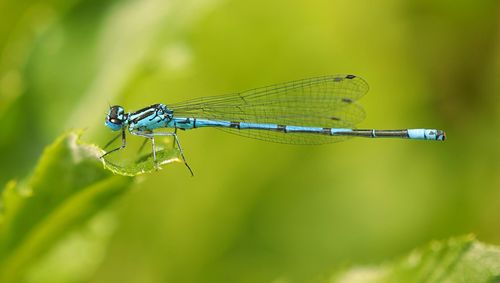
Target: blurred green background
[256,211]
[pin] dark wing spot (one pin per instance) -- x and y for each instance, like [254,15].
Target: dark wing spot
[347,100]
[350,77]
[335,118]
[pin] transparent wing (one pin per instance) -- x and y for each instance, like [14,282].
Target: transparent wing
[327,101]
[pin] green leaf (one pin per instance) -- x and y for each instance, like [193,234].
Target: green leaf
[67,188]
[462,259]
[145,163]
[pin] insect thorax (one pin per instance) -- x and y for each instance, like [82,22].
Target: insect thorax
[150,118]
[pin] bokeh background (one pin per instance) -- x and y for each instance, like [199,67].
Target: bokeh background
[256,211]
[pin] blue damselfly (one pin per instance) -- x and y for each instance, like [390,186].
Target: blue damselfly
[317,110]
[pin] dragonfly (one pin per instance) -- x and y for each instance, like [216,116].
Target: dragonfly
[310,111]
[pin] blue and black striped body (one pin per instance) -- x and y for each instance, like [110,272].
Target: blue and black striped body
[311,111]
[192,123]
[150,118]
[157,116]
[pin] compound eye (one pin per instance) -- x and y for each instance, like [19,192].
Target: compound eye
[115,118]
[115,121]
